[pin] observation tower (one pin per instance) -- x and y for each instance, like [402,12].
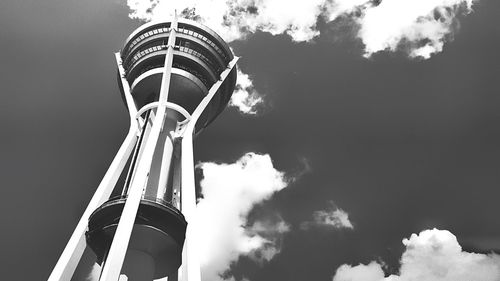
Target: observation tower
[175,77]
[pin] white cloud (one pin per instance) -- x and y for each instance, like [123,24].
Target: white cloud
[230,191]
[235,19]
[433,255]
[272,233]
[370,272]
[424,25]
[337,219]
[245,98]
[332,218]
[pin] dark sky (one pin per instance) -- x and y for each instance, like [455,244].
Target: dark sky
[401,145]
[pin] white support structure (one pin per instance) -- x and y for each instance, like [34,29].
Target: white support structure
[139,173]
[116,255]
[70,257]
[190,268]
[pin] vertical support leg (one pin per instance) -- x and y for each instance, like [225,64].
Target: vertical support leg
[133,161]
[148,124]
[132,110]
[118,249]
[168,150]
[190,269]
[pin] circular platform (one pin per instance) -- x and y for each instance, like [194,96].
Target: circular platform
[200,55]
[159,231]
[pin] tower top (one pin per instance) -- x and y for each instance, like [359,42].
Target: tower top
[200,56]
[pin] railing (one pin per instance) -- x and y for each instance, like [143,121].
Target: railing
[194,49]
[143,36]
[203,38]
[182,48]
[166,30]
[186,50]
[171,205]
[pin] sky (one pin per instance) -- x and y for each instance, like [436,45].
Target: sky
[361,145]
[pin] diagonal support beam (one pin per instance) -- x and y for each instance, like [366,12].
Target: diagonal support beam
[72,253]
[190,269]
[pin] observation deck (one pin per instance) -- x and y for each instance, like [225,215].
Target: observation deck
[200,56]
[159,231]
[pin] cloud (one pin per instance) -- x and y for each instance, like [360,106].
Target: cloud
[423,26]
[236,19]
[230,191]
[332,218]
[271,230]
[245,98]
[433,255]
[371,272]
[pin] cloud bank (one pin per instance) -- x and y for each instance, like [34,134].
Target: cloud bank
[421,27]
[230,191]
[418,27]
[432,255]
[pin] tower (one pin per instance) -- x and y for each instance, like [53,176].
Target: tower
[175,78]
